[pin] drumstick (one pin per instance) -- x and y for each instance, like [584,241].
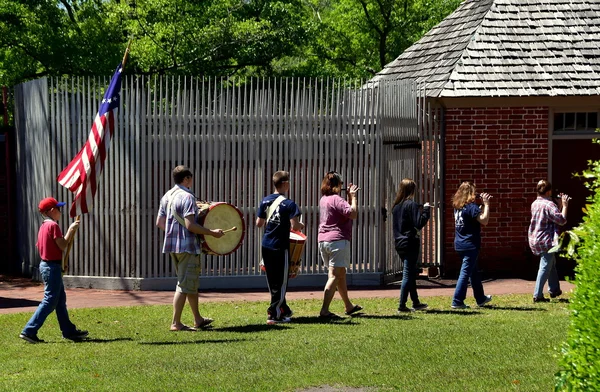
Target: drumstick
[234,228]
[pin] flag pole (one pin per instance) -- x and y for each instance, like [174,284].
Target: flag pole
[65,259]
[126,54]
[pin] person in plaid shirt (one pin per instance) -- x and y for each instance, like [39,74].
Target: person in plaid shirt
[177,218]
[543,234]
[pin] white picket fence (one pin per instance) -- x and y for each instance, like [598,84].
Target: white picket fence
[233,134]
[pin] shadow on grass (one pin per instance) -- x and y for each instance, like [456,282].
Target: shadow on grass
[516,308]
[407,316]
[322,320]
[458,312]
[250,328]
[563,300]
[97,340]
[197,341]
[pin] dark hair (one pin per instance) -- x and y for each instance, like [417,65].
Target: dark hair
[331,184]
[406,190]
[180,173]
[280,177]
[543,186]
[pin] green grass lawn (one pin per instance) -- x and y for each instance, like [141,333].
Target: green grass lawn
[510,346]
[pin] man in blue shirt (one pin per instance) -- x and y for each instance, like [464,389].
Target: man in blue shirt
[278,214]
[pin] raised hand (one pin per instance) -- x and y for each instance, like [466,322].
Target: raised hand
[486,197]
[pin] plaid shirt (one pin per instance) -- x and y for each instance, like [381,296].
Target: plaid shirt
[545,217]
[178,239]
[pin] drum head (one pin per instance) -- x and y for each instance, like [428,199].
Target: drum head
[224,216]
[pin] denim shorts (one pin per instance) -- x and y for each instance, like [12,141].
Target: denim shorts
[187,267]
[335,253]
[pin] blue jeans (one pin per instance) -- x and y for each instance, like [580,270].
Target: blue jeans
[546,272]
[468,273]
[55,298]
[409,277]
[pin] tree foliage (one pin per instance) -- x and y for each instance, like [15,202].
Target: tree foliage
[580,364]
[338,38]
[358,37]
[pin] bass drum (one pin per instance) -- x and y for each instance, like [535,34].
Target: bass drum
[221,215]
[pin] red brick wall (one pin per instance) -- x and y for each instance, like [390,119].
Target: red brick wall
[504,151]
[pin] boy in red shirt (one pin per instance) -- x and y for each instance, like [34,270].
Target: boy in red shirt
[51,244]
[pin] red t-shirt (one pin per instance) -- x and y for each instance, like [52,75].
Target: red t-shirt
[46,243]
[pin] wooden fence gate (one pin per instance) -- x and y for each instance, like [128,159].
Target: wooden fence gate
[233,134]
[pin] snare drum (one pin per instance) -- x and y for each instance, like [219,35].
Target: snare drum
[220,215]
[297,241]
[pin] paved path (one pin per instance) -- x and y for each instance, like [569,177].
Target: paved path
[22,295]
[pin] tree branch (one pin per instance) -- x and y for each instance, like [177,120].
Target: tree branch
[369,19]
[69,9]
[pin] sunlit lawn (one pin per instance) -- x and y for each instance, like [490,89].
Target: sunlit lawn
[510,346]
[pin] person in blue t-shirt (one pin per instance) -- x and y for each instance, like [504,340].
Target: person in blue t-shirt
[278,214]
[468,218]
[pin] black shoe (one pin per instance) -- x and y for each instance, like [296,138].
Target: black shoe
[540,299]
[420,306]
[77,335]
[557,294]
[273,321]
[287,314]
[487,300]
[31,338]
[404,309]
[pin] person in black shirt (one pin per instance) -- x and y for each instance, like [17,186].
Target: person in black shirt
[409,218]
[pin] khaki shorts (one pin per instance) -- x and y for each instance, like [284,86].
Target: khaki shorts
[335,253]
[187,267]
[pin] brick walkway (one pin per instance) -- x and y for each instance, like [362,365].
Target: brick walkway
[22,295]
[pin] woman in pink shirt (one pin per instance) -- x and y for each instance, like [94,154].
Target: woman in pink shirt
[335,232]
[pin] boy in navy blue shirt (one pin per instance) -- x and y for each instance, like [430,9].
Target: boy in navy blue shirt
[278,215]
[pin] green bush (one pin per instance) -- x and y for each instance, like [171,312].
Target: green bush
[580,362]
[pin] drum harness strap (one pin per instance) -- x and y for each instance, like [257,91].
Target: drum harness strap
[274,206]
[170,206]
[270,210]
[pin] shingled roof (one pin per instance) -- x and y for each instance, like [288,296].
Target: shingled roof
[489,48]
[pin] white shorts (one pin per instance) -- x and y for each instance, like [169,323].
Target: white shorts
[335,253]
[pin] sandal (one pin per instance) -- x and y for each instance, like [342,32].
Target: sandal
[205,323]
[356,308]
[182,328]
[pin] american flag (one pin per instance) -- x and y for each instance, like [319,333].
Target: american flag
[82,175]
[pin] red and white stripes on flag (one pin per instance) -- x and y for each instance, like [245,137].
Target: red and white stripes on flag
[82,175]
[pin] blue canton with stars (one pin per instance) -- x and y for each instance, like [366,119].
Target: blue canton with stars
[112,95]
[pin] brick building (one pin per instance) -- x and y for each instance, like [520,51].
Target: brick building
[517,84]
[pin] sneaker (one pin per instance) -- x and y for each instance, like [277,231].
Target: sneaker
[461,306]
[540,299]
[273,321]
[420,306]
[404,309]
[287,314]
[557,294]
[31,338]
[77,335]
[487,300]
